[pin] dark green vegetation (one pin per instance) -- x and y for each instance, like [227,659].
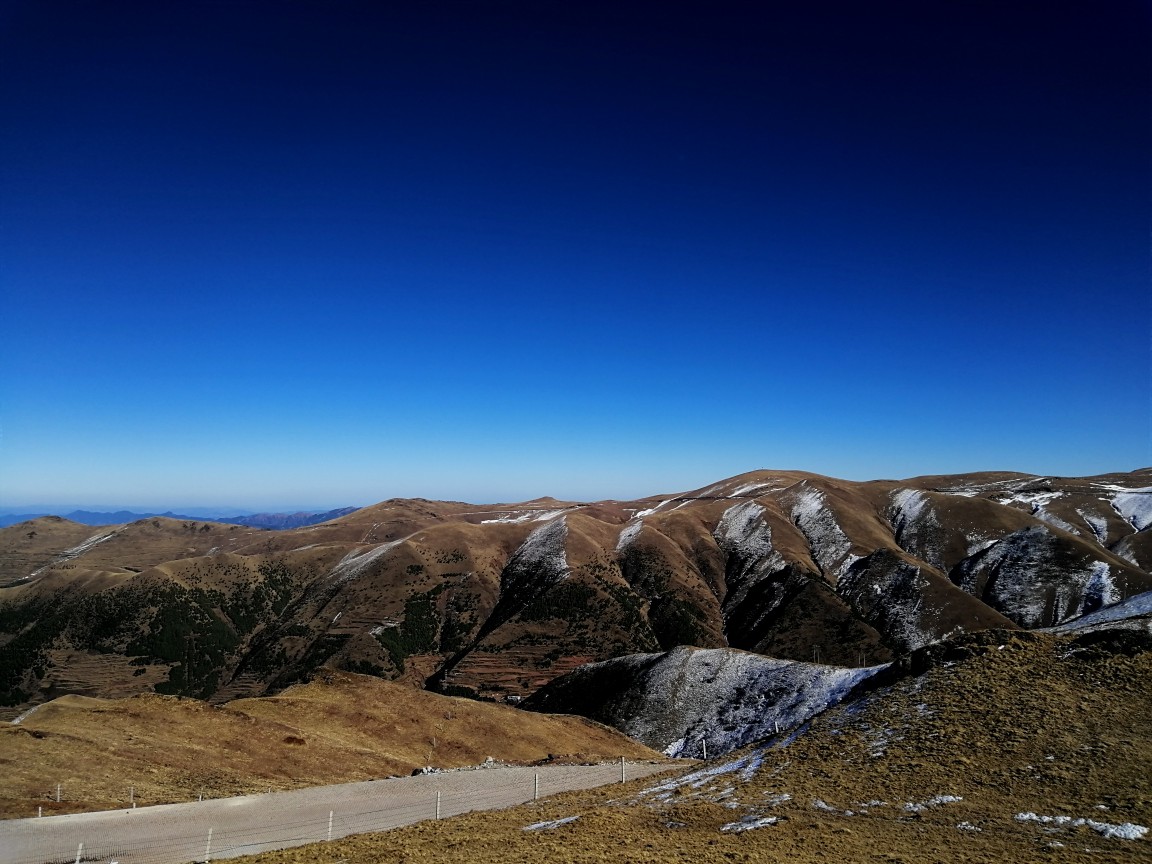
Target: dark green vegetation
[498,600]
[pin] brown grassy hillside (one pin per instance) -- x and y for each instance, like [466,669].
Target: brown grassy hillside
[934,770]
[496,600]
[339,728]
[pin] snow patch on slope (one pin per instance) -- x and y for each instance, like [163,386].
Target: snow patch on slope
[831,548]
[915,525]
[526,516]
[357,561]
[679,701]
[642,513]
[1134,507]
[1029,578]
[78,550]
[888,593]
[742,531]
[631,532]
[749,488]
[1122,831]
[1044,515]
[1137,606]
[745,536]
[543,550]
[1097,523]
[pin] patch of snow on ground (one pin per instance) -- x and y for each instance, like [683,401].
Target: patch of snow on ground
[746,537]
[1022,585]
[936,801]
[746,765]
[915,525]
[1124,550]
[16,720]
[728,699]
[1101,589]
[651,510]
[356,562]
[1032,499]
[525,516]
[978,543]
[830,545]
[78,550]
[1041,513]
[543,550]
[554,823]
[631,532]
[1123,831]
[750,823]
[742,530]
[1097,523]
[970,490]
[1134,507]
[749,488]
[966,826]
[1133,607]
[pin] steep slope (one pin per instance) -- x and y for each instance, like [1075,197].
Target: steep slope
[695,702]
[497,600]
[1009,746]
[692,701]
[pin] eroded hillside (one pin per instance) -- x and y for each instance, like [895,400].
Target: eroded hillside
[498,600]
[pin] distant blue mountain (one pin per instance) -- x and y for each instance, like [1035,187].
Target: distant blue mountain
[267,521]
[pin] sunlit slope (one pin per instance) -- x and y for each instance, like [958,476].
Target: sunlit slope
[1008,746]
[497,600]
[339,728]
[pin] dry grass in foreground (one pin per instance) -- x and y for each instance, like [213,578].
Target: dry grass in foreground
[935,770]
[339,728]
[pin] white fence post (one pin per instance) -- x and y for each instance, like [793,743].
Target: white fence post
[437,803]
[79,852]
[331,813]
[621,769]
[208,847]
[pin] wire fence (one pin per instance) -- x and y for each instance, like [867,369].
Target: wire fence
[228,827]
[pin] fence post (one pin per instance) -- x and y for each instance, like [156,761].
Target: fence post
[331,813]
[535,786]
[208,847]
[132,796]
[621,769]
[57,793]
[437,803]
[79,852]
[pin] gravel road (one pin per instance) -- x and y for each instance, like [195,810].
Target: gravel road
[227,827]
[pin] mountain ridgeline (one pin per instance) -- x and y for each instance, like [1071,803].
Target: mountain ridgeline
[498,600]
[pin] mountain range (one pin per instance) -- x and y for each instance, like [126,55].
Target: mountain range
[496,601]
[271,521]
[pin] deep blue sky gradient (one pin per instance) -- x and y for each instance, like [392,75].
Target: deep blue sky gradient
[318,254]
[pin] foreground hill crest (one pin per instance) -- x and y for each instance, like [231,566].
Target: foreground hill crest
[497,600]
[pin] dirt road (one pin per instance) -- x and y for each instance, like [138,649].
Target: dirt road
[223,828]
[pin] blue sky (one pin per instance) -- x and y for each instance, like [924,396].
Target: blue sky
[273,255]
